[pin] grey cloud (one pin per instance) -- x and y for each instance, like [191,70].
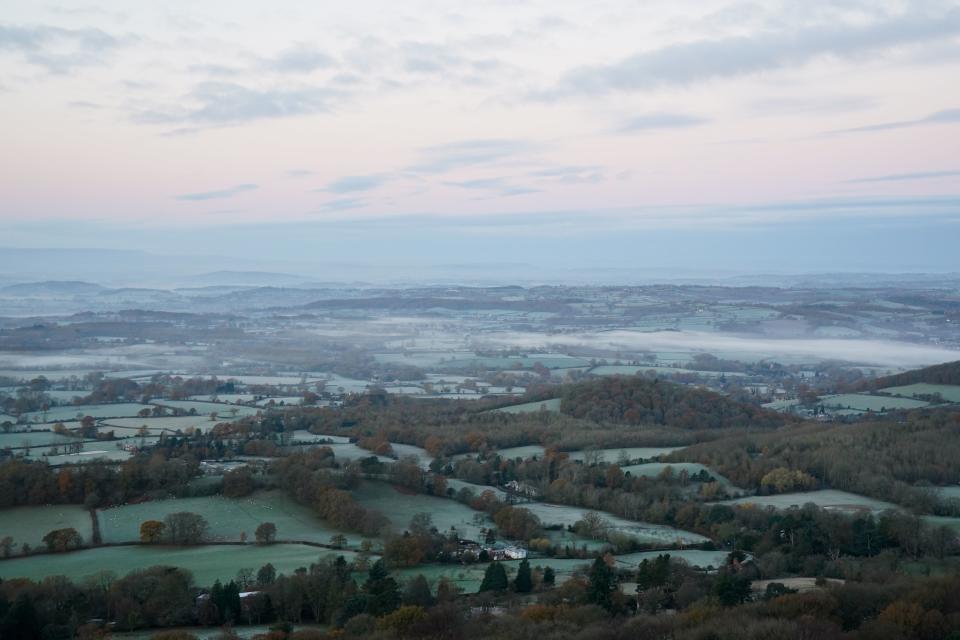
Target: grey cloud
[351,184]
[902,177]
[498,185]
[300,59]
[947,116]
[690,62]
[299,173]
[825,104]
[56,49]
[221,103]
[341,204]
[215,195]
[468,153]
[652,121]
[587,174]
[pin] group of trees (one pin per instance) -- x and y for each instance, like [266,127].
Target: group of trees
[637,400]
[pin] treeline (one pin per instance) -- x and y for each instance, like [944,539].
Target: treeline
[946,373]
[308,479]
[671,601]
[449,428]
[27,483]
[889,460]
[635,400]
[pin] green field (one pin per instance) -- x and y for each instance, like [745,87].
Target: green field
[92,452]
[30,524]
[612,456]
[949,392]
[223,411]
[34,439]
[206,563]
[401,507]
[826,498]
[654,469]
[531,407]
[228,517]
[527,451]
[555,514]
[66,413]
[865,402]
[156,426]
[469,577]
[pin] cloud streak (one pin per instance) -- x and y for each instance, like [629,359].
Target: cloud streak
[353,184]
[690,62]
[947,116]
[216,195]
[663,120]
[56,49]
[904,177]
[224,104]
[470,153]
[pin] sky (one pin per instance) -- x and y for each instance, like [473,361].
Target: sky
[775,135]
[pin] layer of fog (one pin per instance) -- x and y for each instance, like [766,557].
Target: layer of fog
[872,352]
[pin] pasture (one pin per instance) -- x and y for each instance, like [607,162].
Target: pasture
[624,453]
[76,412]
[949,392]
[865,402]
[531,407]
[30,524]
[654,469]
[228,518]
[34,439]
[400,507]
[223,411]
[825,498]
[555,514]
[207,563]
[91,452]
[156,426]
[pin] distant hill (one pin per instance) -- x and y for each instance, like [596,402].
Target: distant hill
[51,288]
[635,401]
[946,373]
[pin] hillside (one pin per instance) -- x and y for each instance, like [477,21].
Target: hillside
[635,400]
[946,373]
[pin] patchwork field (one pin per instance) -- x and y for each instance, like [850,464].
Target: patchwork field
[75,412]
[826,498]
[34,439]
[400,507]
[156,426]
[654,469]
[531,407]
[555,514]
[228,518]
[206,563]
[865,402]
[949,392]
[92,452]
[30,524]
[224,411]
[627,453]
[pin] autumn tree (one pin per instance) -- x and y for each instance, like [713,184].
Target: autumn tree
[266,533]
[151,531]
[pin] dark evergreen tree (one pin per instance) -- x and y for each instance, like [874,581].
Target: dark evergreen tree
[549,576]
[417,592]
[495,578]
[603,582]
[523,583]
[382,590]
